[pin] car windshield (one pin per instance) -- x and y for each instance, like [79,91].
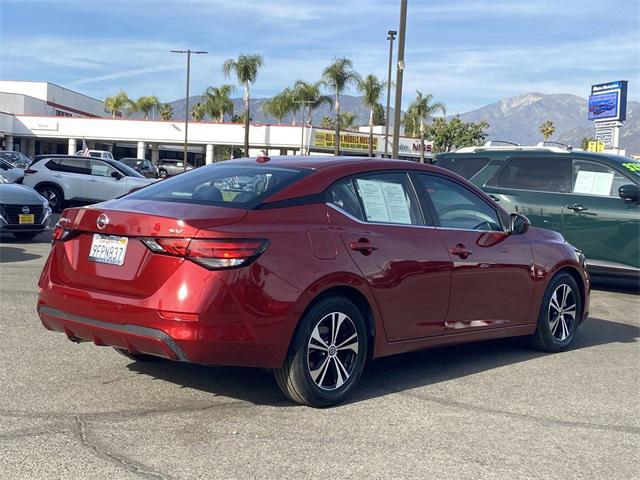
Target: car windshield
[238,186]
[128,171]
[16,159]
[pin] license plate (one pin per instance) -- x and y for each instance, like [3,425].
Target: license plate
[108,249]
[26,219]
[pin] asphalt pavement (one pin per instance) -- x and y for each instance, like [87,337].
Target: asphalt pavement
[488,410]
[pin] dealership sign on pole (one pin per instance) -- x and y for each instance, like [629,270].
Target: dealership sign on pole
[608,109]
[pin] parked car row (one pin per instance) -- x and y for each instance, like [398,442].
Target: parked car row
[592,199]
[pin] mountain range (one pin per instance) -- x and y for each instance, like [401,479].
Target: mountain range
[515,119]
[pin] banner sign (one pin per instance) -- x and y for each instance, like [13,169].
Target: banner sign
[348,140]
[608,101]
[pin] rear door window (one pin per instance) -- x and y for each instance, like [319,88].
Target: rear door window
[343,195]
[238,186]
[466,167]
[543,174]
[387,198]
[70,165]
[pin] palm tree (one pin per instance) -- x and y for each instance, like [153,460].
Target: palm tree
[310,96]
[147,104]
[217,101]
[420,110]
[348,120]
[547,129]
[119,101]
[166,111]
[198,112]
[278,106]
[371,89]
[337,77]
[246,69]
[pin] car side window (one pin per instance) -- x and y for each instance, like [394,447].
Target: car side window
[466,167]
[100,169]
[457,206]
[70,165]
[343,195]
[387,198]
[591,178]
[4,165]
[543,174]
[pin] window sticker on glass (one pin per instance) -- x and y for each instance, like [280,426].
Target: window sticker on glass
[593,183]
[384,202]
[100,170]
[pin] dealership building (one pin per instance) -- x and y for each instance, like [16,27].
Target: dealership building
[44,118]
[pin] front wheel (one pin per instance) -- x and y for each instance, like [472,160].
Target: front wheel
[327,354]
[560,314]
[162,173]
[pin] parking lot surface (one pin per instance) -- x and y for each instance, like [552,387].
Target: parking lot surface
[487,410]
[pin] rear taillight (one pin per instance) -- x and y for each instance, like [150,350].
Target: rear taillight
[61,234]
[213,254]
[30,170]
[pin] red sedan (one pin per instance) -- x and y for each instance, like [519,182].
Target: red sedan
[308,266]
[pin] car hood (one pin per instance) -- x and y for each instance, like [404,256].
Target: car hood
[12,193]
[12,174]
[141,181]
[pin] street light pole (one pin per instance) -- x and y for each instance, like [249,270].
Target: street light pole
[399,74]
[186,99]
[303,103]
[390,37]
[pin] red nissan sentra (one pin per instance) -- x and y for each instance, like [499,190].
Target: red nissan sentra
[308,266]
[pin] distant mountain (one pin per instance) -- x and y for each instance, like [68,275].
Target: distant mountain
[348,103]
[515,119]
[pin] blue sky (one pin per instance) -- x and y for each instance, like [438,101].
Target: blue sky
[466,52]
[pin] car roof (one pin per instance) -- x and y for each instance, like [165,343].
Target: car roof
[503,153]
[318,162]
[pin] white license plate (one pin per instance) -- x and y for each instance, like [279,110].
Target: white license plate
[108,249]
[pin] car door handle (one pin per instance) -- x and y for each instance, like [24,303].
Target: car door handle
[363,246]
[576,207]
[460,251]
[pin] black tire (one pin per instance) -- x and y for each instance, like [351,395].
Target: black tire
[556,327]
[138,357]
[54,195]
[327,356]
[162,173]
[25,235]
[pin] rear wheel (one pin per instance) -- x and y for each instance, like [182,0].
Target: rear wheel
[138,357]
[560,314]
[53,195]
[327,354]
[25,235]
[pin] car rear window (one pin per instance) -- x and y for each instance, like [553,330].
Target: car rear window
[238,186]
[465,167]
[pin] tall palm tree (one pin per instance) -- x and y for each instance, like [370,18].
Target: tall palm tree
[166,111]
[336,77]
[217,101]
[547,129]
[420,110]
[310,95]
[198,112]
[147,104]
[348,120]
[119,101]
[279,105]
[246,69]
[371,89]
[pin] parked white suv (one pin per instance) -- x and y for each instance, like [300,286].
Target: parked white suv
[67,179]
[97,154]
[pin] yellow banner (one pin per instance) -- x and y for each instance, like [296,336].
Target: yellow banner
[347,140]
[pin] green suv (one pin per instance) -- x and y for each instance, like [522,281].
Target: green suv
[591,198]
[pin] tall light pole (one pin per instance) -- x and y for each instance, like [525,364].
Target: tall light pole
[303,104]
[390,37]
[400,71]
[186,98]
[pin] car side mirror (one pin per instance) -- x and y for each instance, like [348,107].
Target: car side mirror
[518,224]
[630,192]
[117,175]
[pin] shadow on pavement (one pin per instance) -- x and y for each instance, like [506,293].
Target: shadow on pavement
[387,375]
[15,254]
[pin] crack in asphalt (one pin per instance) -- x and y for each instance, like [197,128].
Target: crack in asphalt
[127,464]
[546,421]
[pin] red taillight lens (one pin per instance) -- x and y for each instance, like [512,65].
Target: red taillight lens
[61,234]
[213,254]
[30,170]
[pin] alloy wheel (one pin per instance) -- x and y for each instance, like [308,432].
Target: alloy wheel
[332,351]
[51,196]
[562,312]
